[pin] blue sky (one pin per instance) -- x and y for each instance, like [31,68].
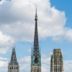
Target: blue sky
[17,30]
[64,5]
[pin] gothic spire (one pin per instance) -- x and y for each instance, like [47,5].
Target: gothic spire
[36,44]
[13,65]
[36,57]
[13,57]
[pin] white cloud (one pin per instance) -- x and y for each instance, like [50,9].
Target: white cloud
[1,2]
[68,34]
[3,64]
[19,19]
[5,39]
[68,66]
[25,62]
[5,42]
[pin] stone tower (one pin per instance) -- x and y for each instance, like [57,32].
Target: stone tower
[35,55]
[56,61]
[13,65]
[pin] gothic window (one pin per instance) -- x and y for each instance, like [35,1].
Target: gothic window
[16,67]
[10,67]
[36,60]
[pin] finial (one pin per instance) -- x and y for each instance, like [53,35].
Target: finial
[36,14]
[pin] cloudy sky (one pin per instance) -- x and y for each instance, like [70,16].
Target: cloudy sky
[17,30]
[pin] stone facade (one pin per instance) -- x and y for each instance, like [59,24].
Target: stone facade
[56,61]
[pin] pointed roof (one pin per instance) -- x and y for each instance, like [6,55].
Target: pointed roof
[13,57]
[57,52]
[36,43]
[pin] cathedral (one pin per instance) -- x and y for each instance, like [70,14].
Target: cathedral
[56,58]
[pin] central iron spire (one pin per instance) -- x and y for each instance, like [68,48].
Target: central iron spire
[36,43]
[36,57]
